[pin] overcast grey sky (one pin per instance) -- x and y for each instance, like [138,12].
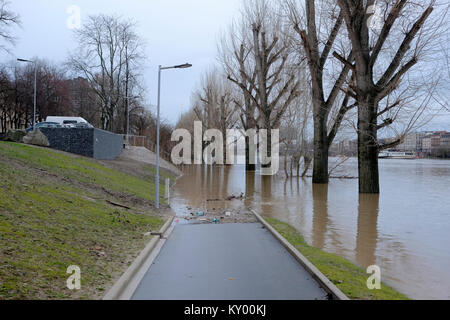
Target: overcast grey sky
[176,31]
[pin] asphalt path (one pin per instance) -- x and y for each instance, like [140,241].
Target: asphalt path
[226,262]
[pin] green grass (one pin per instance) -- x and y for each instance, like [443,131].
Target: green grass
[49,221]
[162,174]
[350,279]
[81,169]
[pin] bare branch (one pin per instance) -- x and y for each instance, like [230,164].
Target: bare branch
[404,47]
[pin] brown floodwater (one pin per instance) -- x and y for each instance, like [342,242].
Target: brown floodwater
[405,230]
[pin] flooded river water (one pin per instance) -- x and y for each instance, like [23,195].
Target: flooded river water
[405,230]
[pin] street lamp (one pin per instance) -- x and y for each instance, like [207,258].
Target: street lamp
[35,87]
[181,66]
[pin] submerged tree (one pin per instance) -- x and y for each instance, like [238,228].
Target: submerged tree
[378,71]
[294,132]
[213,104]
[318,42]
[259,61]
[235,56]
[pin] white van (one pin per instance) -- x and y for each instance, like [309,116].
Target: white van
[68,121]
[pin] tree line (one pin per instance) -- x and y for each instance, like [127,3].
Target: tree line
[315,69]
[100,80]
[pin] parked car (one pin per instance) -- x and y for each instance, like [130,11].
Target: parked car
[44,125]
[83,125]
[68,122]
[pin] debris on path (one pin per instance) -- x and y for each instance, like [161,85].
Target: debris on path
[216,216]
[229,198]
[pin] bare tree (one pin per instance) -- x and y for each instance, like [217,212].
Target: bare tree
[318,42]
[143,121]
[443,97]
[265,72]
[186,121]
[108,47]
[294,137]
[84,100]
[379,72]
[17,94]
[132,58]
[206,100]
[213,104]
[235,54]
[8,19]
[295,129]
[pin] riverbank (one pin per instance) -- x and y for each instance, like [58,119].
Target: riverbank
[58,210]
[350,279]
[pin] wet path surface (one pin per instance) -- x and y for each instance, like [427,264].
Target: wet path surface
[226,262]
[404,231]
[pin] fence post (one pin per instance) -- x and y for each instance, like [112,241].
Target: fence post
[168,191]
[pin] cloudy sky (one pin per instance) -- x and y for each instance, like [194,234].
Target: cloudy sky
[176,31]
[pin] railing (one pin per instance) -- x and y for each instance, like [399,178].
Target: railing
[146,142]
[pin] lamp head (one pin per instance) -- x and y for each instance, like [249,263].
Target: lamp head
[24,60]
[183,66]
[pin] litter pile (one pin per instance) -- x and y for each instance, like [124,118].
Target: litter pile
[216,216]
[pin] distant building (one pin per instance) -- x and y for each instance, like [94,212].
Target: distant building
[436,144]
[413,142]
[445,141]
[435,141]
[426,143]
[423,144]
[346,147]
[443,150]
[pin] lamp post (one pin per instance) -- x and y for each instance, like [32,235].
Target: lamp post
[161,68]
[35,88]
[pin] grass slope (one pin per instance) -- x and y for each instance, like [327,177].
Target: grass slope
[350,279]
[53,214]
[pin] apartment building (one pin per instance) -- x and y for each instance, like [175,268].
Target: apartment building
[413,142]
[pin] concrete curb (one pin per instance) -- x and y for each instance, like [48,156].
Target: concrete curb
[326,284]
[119,290]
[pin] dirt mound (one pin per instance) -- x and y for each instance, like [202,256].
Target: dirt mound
[36,138]
[142,154]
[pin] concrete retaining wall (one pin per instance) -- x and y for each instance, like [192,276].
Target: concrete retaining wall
[107,145]
[93,143]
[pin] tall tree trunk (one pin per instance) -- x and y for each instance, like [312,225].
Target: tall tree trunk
[248,166]
[285,162]
[224,151]
[368,148]
[367,232]
[307,160]
[251,124]
[320,172]
[320,218]
[249,188]
[267,127]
